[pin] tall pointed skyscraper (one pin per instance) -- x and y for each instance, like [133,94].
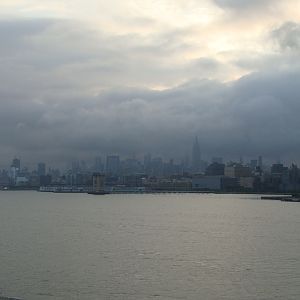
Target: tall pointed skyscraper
[196,156]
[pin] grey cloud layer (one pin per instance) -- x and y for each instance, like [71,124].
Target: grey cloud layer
[63,94]
[288,36]
[244,4]
[258,114]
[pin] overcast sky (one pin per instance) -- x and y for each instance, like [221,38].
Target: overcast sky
[86,78]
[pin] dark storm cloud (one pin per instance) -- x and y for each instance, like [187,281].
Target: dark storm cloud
[63,95]
[257,114]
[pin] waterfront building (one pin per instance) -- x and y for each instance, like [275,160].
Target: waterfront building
[133,180]
[21,181]
[98,183]
[237,171]
[4,179]
[45,180]
[230,184]
[213,183]
[246,182]
[215,169]
[167,184]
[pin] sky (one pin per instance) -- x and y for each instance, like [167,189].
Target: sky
[80,79]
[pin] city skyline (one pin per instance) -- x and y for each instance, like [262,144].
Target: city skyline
[111,163]
[101,159]
[153,174]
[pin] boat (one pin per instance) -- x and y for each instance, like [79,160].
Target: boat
[290,199]
[9,298]
[98,193]
[271,197]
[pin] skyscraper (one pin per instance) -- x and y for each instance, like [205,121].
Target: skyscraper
[147,163]
[112,164]
[15,170]
[260,162]
[98,165]
[41,169]
[253,164]
[16,163]
[196,156]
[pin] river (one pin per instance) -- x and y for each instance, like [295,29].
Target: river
[160,246]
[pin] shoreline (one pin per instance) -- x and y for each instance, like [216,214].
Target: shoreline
[154,192]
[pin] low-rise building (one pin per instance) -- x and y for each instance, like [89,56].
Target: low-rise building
[98,182]
[237,171]
[212,183]
[246,182]
[215,169]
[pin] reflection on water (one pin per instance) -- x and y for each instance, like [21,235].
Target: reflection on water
[163,246]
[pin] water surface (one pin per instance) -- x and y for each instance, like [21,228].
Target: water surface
[162,246]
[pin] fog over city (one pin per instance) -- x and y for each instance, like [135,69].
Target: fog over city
[81,79]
